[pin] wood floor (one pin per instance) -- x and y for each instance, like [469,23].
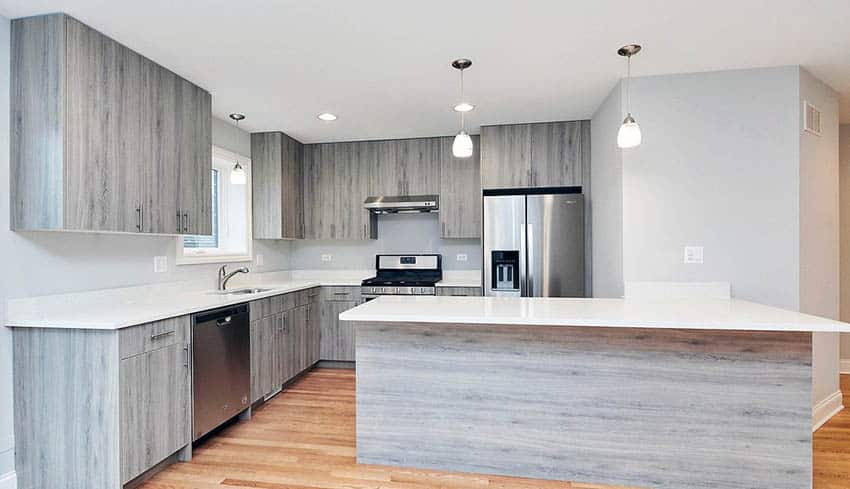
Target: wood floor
[304,439]
[832,447]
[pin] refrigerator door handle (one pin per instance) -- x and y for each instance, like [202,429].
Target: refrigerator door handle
[530,264]
[523,263]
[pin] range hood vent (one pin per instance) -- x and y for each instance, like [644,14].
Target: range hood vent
[402,204]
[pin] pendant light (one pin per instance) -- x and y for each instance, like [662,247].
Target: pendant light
[462,146]
[237,174]
[629,135]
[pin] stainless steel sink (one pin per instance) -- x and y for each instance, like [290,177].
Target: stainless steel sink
[248,291]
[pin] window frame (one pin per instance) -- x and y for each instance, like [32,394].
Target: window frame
[196,259]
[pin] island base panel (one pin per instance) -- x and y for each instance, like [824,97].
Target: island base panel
[638,407]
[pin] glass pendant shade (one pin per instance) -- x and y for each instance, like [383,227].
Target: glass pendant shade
[462,146]
[629,134]
[237,175]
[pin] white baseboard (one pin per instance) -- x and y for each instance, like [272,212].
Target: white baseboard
[845,366]
[826,409]
[9,481]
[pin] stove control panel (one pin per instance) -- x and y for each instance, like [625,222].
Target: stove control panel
[384,290]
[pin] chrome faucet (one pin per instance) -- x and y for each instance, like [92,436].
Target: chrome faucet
[223,276]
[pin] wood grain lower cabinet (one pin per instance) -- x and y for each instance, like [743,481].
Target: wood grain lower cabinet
[459,291]
[97,408]
[264,361]
[337,341]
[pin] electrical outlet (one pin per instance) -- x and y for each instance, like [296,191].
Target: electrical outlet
[693,255]
[160,264]
[461,257]
[259,260]
[327,258]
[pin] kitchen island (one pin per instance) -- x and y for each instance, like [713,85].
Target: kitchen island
[673,394]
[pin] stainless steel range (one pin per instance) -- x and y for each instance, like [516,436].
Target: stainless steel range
[403,275]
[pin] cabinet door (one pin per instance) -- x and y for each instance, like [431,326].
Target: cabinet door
[263,338]
[102,121]
[314,335]
[155,400]
[161,169]
[319,192]
[460,192]
[354,164]
[337,339]
[194,158]
[556,154]
[419,161]
[279,345]
[506,156]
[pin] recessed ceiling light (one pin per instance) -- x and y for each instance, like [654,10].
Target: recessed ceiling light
[464,107]
[326,116]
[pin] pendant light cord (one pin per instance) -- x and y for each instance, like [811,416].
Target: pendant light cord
[462,122]
[629,85]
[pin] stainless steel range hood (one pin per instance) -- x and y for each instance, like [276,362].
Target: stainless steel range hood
[402,204]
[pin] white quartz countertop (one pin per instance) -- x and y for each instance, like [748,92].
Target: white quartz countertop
[718,314]
[129,306]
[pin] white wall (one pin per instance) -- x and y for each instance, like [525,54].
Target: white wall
[819,234]
[844,212]
[402,233]
[606,182]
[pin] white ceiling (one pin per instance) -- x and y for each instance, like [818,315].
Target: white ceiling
[383,65]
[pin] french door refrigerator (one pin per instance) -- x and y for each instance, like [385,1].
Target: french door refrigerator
[533,243]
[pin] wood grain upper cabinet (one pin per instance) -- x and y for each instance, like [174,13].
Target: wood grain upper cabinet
[407,166]
[460,192]
[506,156]
[101,135]
[277,186]
[556,149]
[337,179]
[547,154]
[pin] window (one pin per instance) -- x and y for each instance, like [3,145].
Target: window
[231,215]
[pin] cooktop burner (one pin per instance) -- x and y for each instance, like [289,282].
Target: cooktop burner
[404,275]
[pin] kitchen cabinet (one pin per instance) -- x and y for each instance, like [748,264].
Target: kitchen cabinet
[337,338]
[337,179]
[104,139]
[459,291]
[460,192]
[276,172]
[506,156]
[265,339]
[314,333]
[155,404]
[547,154]
[408,166]
[97,408]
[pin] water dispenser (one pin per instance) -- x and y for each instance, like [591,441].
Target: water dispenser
[505,270]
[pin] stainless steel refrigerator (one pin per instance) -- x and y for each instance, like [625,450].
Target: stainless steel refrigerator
[534,244]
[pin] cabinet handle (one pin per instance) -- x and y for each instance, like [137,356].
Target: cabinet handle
[178,222]
[186,349]
[139,218]
[157,336]
[185,222]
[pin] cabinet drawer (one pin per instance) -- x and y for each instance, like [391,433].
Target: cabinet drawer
[341,293]
[459,291]
[289,301]
[303,297]
[260,308]
[153,336]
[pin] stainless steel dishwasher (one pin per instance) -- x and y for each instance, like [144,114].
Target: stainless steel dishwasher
[221,364]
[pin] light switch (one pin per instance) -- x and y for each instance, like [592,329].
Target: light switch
[461,257]
[259,260]
[160,264]
[693,254]
[327,258]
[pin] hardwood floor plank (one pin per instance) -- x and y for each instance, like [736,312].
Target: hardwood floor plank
[305,439]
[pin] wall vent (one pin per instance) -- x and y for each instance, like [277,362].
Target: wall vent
[811,118]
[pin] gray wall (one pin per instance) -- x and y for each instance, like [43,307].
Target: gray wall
[402,233]
[718,167]
[724,164]
[606,204]
[7,436]
[844,211]
[819,231]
